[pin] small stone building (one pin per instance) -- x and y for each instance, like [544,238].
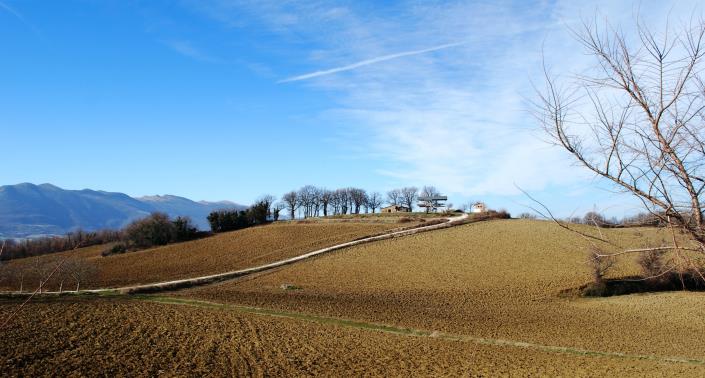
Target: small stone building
[395,209]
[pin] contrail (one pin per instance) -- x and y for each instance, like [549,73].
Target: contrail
[368,62]
[19,17]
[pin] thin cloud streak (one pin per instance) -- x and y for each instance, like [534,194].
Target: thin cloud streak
[187,49]
[370,61]
[19,17]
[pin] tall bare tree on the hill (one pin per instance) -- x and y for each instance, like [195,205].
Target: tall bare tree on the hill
[394,197]
[326,198]
[374,201]
[357,197]
[409,195]
[638,120]
[291,200]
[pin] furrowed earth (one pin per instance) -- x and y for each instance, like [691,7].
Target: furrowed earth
[217,254]
[477,299]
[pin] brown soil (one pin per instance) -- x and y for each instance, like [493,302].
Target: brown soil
[499,279]
[117,337]
[217,254]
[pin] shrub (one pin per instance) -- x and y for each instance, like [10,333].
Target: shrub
[155,229]
[599,265]
[114,250]
[652,265]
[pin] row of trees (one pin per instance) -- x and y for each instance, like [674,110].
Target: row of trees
[312,201]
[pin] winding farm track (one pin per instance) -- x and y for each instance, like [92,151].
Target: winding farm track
[213,278]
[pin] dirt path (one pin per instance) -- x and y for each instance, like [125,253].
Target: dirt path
[213,278]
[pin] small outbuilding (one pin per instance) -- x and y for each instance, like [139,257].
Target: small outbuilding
[478,207]
[395,209]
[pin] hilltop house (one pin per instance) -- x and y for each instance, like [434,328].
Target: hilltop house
[395,209]
[478,207]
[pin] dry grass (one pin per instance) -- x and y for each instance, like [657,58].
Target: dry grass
[216,254]
[117,337]
[497,279]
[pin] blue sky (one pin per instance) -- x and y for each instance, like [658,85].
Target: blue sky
[232,99]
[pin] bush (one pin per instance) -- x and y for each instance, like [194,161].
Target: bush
[114,250]
[652,265]
[153,230]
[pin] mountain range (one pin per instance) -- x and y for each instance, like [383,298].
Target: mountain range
[28,210]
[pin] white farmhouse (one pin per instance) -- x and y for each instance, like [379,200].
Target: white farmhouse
[478,207]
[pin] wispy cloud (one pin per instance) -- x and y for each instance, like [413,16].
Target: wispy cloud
[460,120]
[20,17]
[187,49]
[367,62]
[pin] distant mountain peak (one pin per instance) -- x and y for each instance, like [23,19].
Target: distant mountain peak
[28,210]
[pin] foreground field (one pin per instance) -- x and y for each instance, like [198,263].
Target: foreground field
[498,279]
[216,254]
[118,337]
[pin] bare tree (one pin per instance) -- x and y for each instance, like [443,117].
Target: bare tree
[636,120]
[374,201]
[42,269]
[343,200]
[394,197]
[291,200]
[309,200]
[80,270]
[409,195]
[326,198]
[357,197]
[276,209]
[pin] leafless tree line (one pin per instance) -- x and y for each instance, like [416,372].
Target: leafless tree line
[41,246]
[312,201]
[637,120]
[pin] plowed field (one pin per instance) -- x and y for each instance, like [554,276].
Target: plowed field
[498,279]
[115,337]
[216,254]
